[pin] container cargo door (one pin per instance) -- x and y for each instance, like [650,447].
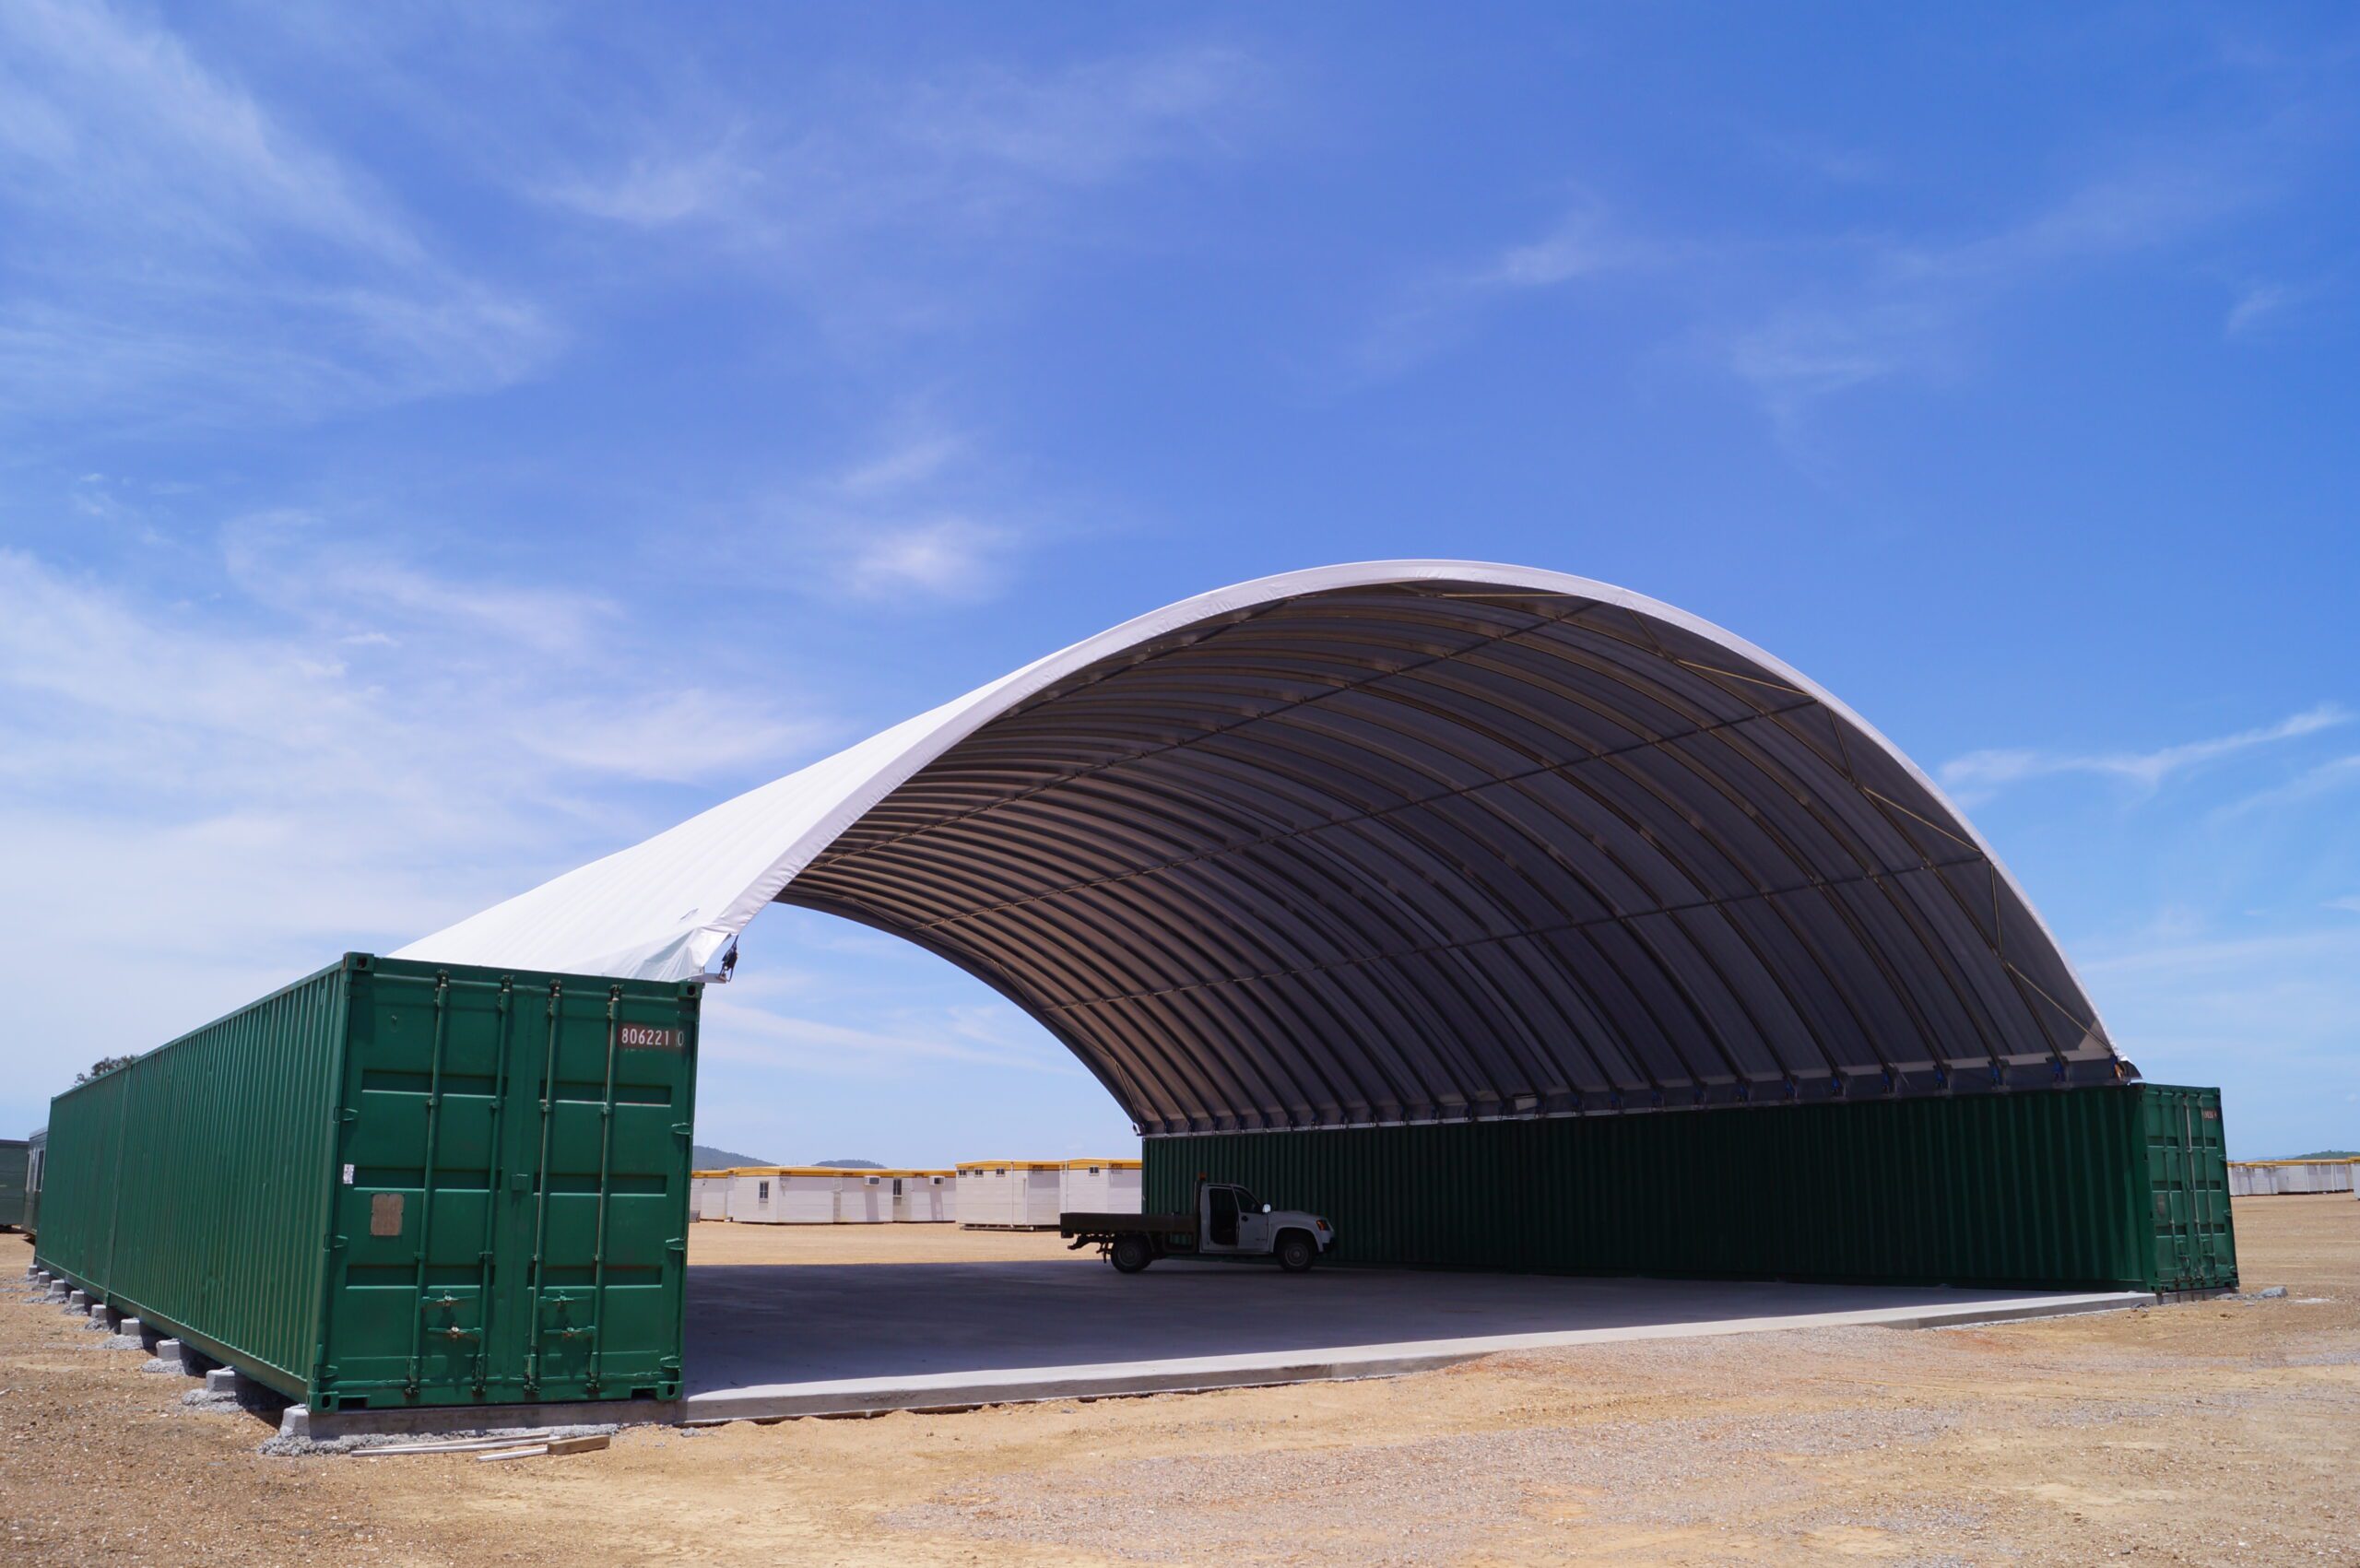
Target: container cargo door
[600,1211]
[511,1191]
[2188,1178]
[427,1122]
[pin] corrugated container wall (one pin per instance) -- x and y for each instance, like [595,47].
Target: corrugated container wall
[16,1156]
[2107,1187]
[398,1184]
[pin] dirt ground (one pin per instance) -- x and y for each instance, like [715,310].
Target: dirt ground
[2214,1433]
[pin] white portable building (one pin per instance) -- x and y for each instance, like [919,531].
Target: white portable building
[865,1197]
[2268,1178]
[983,1199]
[784,1194]
[924,1196]
[709,1195]
[1010,1194]
[1045,1194]
[1101,1187]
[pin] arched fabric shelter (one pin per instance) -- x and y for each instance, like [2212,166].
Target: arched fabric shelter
[1400,842]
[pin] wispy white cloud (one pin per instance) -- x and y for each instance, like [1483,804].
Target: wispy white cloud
[102,105]
[676,735]
[297,563]
[757,1037]
[750,1024]
[230,794]
[2350,901]
[2255,1013]
[179,251]
[1435,311]
[655,187]
[1583,244]
[1902,306]
[925,517]
[2313,784]
[2254,307]
[946,558]
[240,764]
[1799,318]
[958,151]
[1979,775]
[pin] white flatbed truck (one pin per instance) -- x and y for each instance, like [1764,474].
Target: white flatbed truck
[1228,1223]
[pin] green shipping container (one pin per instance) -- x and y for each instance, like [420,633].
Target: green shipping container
[15,1157]
[398,1184]
[2103,1188]
[36,1149]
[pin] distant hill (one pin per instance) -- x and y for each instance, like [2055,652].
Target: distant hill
[705,1157]
[2328,1154]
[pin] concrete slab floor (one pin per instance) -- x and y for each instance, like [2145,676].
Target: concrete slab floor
[766,1341]
[768,1326]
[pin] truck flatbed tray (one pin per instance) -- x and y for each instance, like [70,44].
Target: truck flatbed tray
[1084,1225]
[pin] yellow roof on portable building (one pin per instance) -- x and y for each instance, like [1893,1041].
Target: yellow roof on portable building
[2325,1160]
[797,1171]
[1103,1164]
[1012,1164]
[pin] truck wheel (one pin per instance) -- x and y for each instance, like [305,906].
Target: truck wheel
[1130,1253]
[1296,1253]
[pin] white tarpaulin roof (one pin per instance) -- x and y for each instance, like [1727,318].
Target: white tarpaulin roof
[1392,840]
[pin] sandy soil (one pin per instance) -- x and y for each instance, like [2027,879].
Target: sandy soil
[2222,1432]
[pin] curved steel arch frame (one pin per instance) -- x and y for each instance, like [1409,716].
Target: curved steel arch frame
[1395,844]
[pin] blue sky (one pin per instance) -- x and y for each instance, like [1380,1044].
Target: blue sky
[438,447]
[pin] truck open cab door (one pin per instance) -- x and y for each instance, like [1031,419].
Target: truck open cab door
[1233,1221]
[1220,1218]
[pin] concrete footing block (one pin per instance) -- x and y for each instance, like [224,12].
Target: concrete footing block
[77,1301]
[126,1336]
[186,1360]
[223,1380]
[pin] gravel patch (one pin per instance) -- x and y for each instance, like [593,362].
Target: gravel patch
[304,1447]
